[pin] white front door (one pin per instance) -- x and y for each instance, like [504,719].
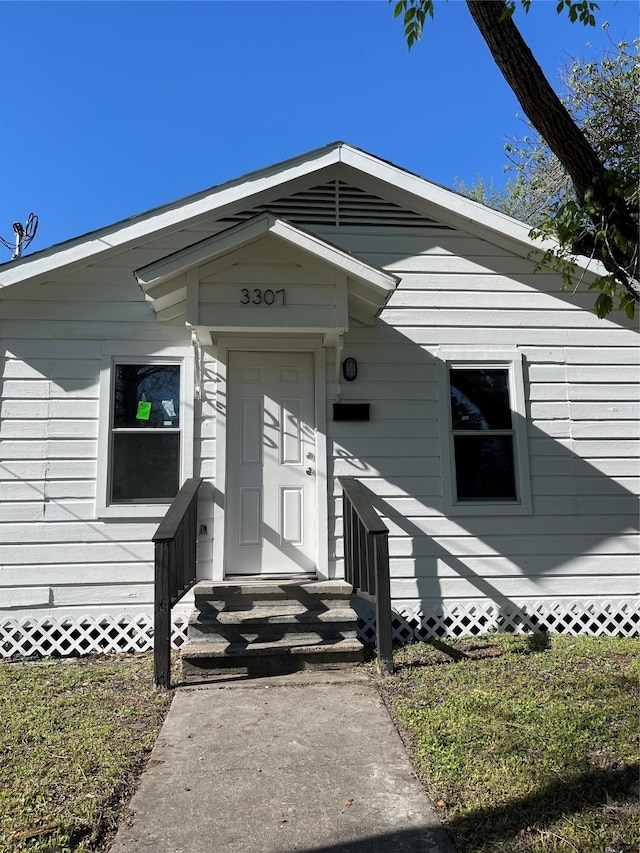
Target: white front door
[271,464]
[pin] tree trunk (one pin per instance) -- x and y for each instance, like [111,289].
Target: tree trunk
[551,119]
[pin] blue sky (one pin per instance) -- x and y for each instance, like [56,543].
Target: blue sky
[110,108]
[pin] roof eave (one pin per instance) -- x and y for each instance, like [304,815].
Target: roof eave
[152,223]
[449,206]
[237,236]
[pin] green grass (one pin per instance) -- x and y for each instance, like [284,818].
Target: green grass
[525,743]
[73,739]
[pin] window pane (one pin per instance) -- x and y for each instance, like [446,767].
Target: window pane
[147,396]
[480,398]
[145,466]
[484,468]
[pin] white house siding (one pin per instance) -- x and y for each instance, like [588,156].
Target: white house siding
[57,558]
[573,563]
[577,550]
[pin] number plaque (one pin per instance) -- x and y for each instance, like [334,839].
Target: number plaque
[258,296]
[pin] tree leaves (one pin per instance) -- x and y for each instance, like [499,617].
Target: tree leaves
[603,97]
[579,10]
[414,14]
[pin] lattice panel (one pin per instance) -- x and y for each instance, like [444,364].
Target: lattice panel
[611,617]
[65,636]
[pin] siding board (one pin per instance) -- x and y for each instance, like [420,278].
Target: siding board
[498,567]
[56,449]
[509,318]
[21,490]
[39,429]
[83,574]
[484,299]
[107,594]
[86,330]
[521,587]
[137,312]
[72,409]
[77,552]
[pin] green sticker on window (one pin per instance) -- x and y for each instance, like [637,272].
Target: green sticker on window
[144,411]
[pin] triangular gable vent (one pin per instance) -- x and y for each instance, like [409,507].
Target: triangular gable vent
[335,204]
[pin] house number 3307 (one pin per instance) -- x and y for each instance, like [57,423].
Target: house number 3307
[257,296]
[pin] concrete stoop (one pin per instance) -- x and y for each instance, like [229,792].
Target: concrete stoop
[270,627]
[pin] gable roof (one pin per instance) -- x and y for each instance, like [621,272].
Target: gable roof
[246,232]
[376,284]
[338,160]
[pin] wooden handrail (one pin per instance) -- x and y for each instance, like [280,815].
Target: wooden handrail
[169,525]
[366,561]
[175,543]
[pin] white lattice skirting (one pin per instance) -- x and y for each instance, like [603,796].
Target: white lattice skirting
[83,635]
[604,617]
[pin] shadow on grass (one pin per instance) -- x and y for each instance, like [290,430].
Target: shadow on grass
[588,790]
[532,643]
[451,651]
[539,642]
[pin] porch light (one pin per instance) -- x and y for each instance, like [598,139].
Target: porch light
[349,369]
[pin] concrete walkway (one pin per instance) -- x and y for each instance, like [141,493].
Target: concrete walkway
[310,762]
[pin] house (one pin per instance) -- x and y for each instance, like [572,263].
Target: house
[329,316]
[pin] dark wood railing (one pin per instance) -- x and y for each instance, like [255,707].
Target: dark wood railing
[175,571]
[366,561]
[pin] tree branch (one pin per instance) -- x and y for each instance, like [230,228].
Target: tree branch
[551,119]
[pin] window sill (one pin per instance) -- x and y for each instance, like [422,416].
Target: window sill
[487,508]
[152,512]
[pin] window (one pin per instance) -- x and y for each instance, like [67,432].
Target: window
[482,411]
[145,442]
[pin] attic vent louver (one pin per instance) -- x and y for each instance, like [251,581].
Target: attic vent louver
[335,204]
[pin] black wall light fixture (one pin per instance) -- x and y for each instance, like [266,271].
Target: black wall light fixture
[349,369]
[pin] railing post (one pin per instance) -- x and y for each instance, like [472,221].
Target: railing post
[354,549]
[346,539]
[369,563]
[366,547]
[175,572]
[162,617]
[384,627]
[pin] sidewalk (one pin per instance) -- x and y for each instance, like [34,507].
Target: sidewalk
[307,762]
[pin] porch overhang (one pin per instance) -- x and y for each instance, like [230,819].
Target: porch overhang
[265,275]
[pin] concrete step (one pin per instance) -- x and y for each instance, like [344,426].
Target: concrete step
[277,622]
[201,660]
[288,613]
[281,611]
[264,627]
[280,614]
[252,593]
[272,634]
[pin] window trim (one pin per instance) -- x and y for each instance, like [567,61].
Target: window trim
[132,354]
[513,361]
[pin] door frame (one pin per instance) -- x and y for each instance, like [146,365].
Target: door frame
[312,344]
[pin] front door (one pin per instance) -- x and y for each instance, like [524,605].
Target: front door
[271,464]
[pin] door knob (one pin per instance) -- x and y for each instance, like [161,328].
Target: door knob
[309,471]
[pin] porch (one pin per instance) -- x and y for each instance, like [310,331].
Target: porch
[264,626]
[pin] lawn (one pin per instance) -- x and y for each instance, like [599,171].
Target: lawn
[74,736]
[525,743]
